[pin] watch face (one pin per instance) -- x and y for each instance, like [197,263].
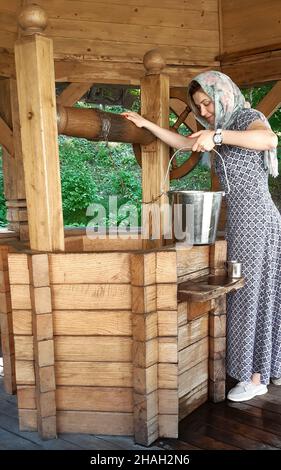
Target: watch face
[217,139]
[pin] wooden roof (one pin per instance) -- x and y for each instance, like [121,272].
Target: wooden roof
[106,40]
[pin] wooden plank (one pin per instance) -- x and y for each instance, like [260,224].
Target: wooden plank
[271,102]
[4,281]
[20,297]
[193,332]
[93,348]
[143,269]
[193,354]
[39,266]
[166,296]
[135,33]
[191,378]
[193,399]
[6,137]
[218,255]
[144,299]
[22,322]
[167,323]
[28,420]
[113,52]
[241,32]
[18,268]
[24,348]
[168,350]
[26,396]
[168,402]
[107,244]
[100,374]
[217,347]
[119,73]
[87,296]
[168,376]
[136,14]
[34,65]
[41,300]
[90,268]
[208,288]
[92,322]
[166,267]
[208,5]
[197,309]
[25,373]
[145,379]
[145,327]
[70,95]
[192,260]
[168,426]
[146,407]
[217,325]
[145,353]
[183,308]
[94,399]
[95,423]
[255,71]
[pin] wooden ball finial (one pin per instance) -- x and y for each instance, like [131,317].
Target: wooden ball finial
[153,62]
[32,20]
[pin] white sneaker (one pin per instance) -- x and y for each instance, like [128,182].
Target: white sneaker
[244,391]
[276,381]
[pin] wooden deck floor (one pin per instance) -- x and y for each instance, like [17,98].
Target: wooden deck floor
[253,425]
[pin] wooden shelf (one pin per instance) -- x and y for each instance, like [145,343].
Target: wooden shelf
[208,287]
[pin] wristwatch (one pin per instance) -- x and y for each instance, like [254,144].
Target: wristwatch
[217,137]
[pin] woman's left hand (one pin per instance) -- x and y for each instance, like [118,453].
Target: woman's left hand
[204,140]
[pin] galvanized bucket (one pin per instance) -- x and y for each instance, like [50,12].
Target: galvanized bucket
[196,215]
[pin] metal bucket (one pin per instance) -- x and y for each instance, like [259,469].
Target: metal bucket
[195,215]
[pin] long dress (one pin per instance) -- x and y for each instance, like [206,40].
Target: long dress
[253,233]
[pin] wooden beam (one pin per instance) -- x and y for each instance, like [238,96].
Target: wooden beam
[73,93]
[6,137]
[119,72]
[271,102]
[229,56]
[37,107]
[255,70]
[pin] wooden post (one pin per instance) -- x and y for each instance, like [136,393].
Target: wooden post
[145,347]
[14,189]
[6,327]
[43,342]
[217,327]
[37,111]
[155,156]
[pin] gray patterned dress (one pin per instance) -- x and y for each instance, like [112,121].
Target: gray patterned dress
[253,234]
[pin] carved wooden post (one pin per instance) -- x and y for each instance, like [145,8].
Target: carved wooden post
[155,156]
[37,110]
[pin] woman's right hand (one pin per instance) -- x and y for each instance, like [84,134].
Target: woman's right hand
[136,118]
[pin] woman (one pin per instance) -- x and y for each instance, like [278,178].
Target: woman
[248,149]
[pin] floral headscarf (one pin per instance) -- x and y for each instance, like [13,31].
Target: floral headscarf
[228,101]
[224,93]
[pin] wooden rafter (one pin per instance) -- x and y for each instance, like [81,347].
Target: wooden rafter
[272,101]
[73,93]
[6,137]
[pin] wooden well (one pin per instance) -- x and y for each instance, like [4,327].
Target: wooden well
[96,334]
[103,346]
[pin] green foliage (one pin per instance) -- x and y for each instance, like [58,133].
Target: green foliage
[93,171]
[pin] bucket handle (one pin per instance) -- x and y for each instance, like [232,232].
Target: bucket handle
[186,148]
